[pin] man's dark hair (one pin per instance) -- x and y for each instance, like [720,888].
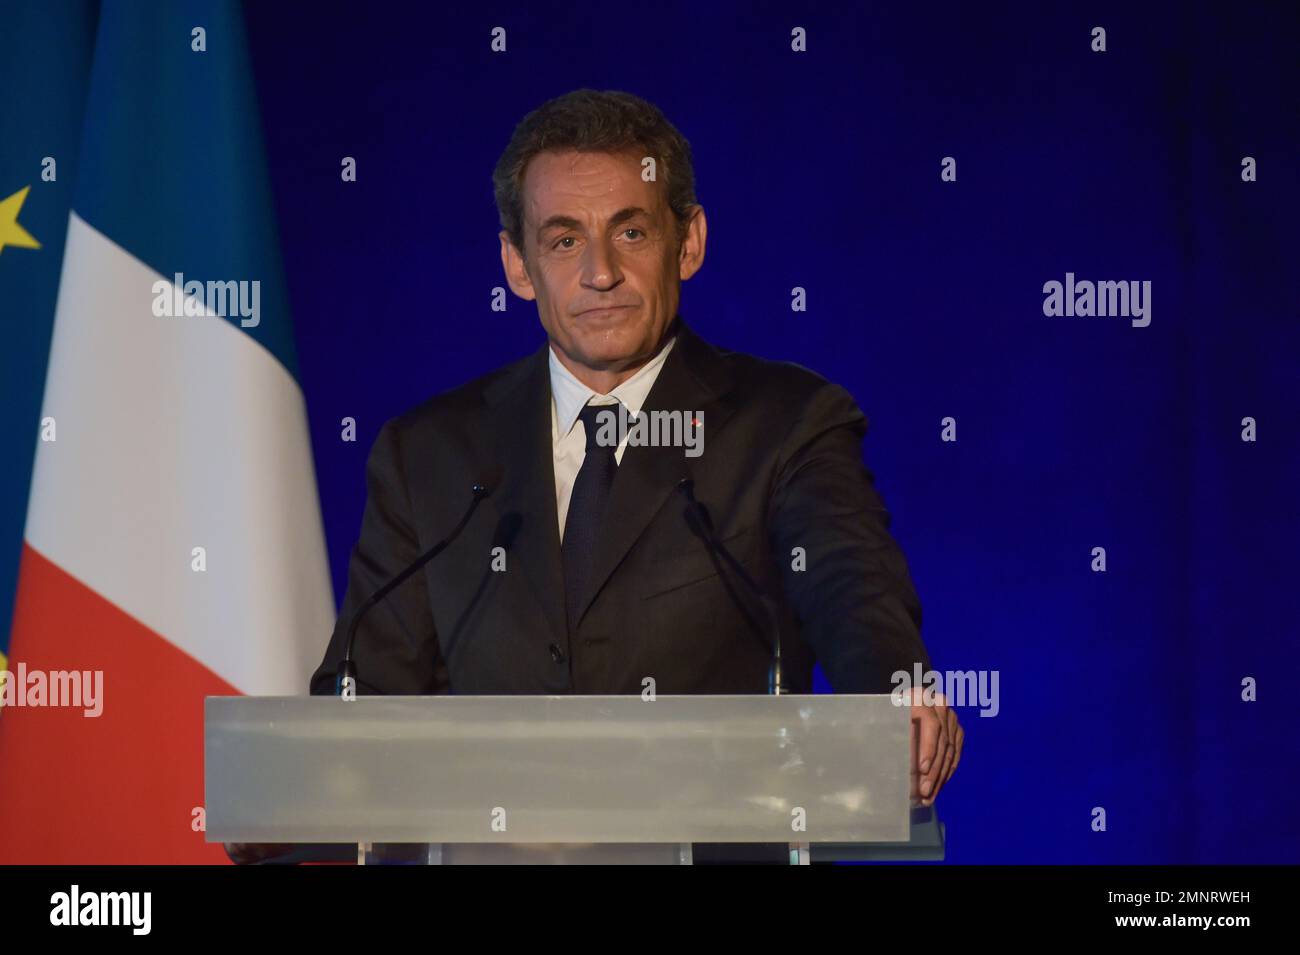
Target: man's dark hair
[589,120]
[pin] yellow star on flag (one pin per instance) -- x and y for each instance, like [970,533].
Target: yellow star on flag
[11,233]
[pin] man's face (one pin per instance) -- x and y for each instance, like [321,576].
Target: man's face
[602,258]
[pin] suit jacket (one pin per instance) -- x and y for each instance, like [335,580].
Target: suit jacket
[781,475]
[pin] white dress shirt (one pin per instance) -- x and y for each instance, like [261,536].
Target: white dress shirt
[568,436]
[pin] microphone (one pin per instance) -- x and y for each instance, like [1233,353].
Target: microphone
[345,684]
[702,526]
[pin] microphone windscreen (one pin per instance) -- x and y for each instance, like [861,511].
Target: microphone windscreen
[489,479]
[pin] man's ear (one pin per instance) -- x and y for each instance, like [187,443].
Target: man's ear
[691,255]
[512,261]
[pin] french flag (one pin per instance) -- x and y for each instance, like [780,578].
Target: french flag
[173,540]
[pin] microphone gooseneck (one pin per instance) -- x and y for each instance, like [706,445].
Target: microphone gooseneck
[700,524]
[347,672]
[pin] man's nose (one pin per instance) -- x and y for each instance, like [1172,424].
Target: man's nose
[600,268]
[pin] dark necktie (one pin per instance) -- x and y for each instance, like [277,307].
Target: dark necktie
[582,524]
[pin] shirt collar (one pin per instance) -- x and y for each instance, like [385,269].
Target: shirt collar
[570,395]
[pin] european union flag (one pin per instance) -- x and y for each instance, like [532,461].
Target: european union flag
[45,55]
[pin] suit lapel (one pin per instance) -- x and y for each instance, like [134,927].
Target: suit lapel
[692,379]
[520,428]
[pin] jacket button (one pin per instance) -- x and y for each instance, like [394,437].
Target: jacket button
[556,653]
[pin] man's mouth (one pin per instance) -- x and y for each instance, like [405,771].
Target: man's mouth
[604,312]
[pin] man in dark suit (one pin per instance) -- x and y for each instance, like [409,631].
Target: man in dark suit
[588,569]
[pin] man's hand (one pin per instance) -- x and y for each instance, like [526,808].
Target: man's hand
[937,739]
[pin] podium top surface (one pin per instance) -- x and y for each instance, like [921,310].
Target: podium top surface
[796,768]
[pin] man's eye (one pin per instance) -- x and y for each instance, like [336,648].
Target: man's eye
[567,238]
[626,231]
